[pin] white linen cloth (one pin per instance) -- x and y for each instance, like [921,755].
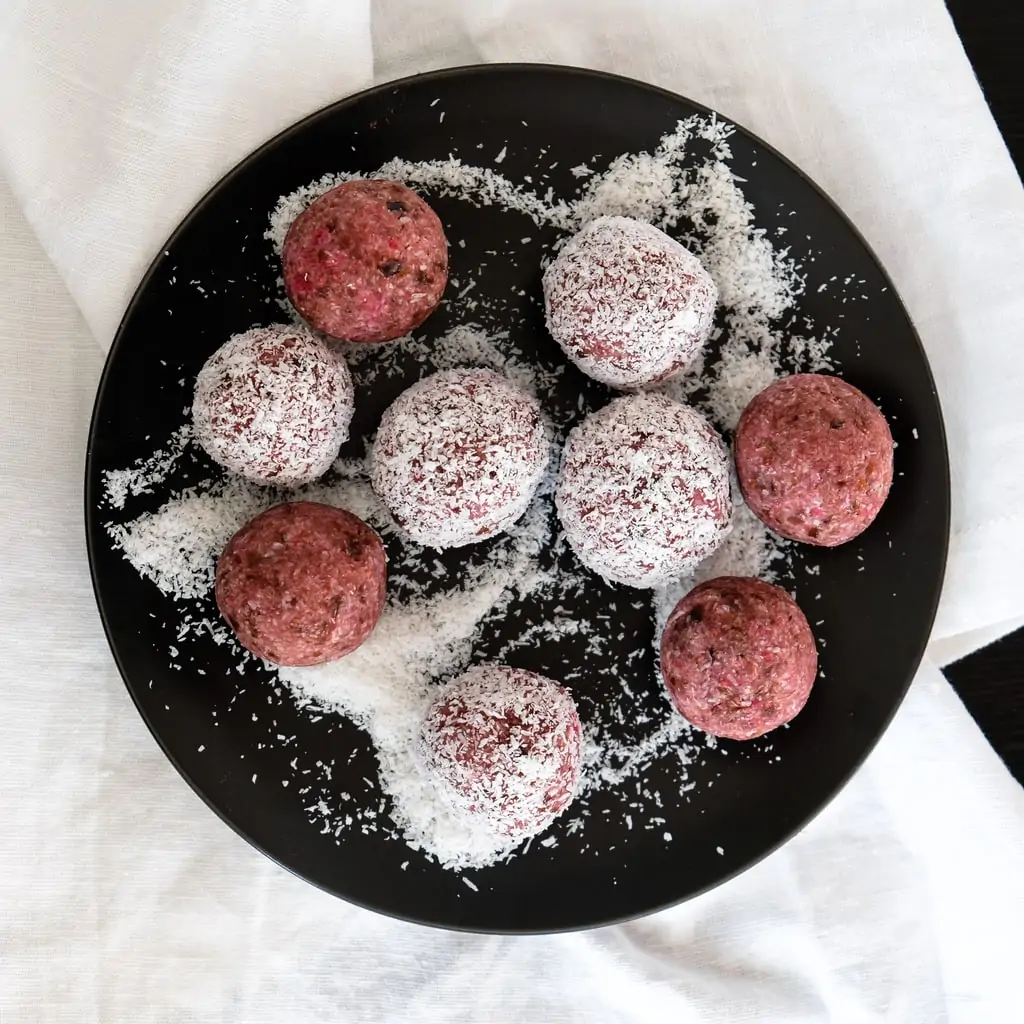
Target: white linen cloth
[121,897]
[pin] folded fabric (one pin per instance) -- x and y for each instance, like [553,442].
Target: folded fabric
[122,896]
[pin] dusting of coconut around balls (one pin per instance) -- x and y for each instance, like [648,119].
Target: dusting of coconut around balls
[644,490]
[274,405]
[503,746]
[629,305]
[459,456]
[170,519]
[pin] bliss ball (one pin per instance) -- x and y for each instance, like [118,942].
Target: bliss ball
[814,459]
[644,490]
[367,261]
[459,456]
[629,305]
[504,746]
[273,405]
[302,583]
[738,657]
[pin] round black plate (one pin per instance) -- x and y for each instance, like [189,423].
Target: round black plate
[233,742]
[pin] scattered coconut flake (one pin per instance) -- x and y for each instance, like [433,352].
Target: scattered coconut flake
[177,546]
[146,474]
[385,687]
[450,177]
[437,620]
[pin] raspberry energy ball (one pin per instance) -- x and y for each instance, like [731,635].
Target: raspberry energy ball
[274,405]
[629,305]
[504,745]
[458,457]
[738,657]
[367,261]
[814,459]
[644,491]
[302,583]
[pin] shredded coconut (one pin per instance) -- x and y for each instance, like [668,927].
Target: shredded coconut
[385,687]
[273,404]
[503,747]
[644,493]
[177,546]
[451,177]
[458,456]
[627,303]
[120,484]
[439,621]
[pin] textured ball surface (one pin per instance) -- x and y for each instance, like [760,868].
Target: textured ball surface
[459,456]
[738,657]
[644,490]
[629,305]
[814,457]
[273,405]
[367,261]
[504,745]
[302,583]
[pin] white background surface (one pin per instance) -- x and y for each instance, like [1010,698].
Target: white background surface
[121,896]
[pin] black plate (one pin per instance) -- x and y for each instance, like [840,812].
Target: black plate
[219,733]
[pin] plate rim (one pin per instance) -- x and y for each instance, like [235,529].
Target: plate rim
[93,528]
